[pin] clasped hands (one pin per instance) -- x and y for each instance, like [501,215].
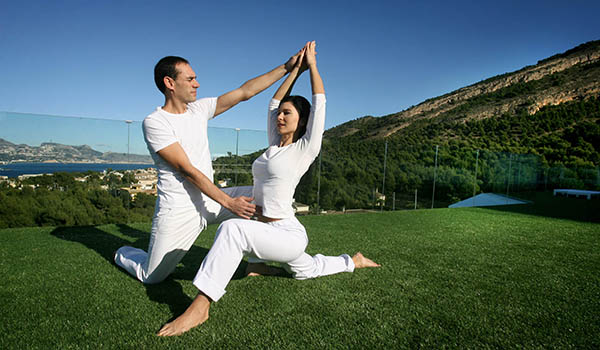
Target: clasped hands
[304,59]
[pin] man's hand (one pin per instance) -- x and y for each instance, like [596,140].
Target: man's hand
[242,207]
[254,86]
[291,63]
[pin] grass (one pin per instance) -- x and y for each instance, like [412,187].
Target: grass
[451,278]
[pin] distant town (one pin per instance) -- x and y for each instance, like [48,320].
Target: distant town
[142,180]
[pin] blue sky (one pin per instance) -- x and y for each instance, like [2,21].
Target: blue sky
[95,58]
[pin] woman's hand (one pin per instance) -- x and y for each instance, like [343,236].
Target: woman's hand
[311,54]
[311,61]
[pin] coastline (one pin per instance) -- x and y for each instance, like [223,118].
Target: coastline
[53,161]
[15,169]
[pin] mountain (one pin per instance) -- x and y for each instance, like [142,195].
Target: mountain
[55,152]
[571,76]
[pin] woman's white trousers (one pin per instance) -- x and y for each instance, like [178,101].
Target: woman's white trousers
[282,241]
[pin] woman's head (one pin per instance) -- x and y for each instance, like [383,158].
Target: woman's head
[292,116]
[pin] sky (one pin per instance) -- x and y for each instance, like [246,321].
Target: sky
[95,59]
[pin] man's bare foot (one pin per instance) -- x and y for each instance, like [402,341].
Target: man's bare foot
[262,269]
[193,316]
[360,261]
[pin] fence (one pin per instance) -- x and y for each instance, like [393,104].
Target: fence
[388,177]
[36,138]
[391,179]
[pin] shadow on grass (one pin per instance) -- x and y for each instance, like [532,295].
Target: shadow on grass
[95,239]
[547,205]
[169,291]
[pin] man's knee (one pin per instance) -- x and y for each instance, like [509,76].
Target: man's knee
[158,275]
[153,280]
[156,271]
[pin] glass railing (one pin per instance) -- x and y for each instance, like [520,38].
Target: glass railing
[392,179]
[35,143]
[439,177]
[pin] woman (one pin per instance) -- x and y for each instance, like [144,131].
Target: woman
[295,133]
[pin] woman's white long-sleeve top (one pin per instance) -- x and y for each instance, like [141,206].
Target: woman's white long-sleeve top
[279,169]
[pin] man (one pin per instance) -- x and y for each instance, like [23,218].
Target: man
[176,136]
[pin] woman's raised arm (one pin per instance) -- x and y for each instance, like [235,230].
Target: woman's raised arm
[311,60]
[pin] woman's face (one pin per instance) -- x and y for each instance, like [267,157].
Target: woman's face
[287,119]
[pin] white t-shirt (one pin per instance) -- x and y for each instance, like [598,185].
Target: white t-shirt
[190,129]
[279,169]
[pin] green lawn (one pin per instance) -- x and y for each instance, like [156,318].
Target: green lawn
[450,278]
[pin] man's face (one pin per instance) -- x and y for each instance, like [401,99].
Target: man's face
[186,84]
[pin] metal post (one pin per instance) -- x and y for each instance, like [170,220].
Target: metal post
[394,201]
[475,179]
[434,177]
[519,176]
[128,195]
[415,199]
[128,124]
[374,199]
[237,143]
[560,178]
[384,166]
[319,184]
[508,175]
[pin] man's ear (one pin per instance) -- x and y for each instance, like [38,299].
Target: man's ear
[169,82]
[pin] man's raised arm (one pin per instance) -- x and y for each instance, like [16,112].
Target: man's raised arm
[254,86]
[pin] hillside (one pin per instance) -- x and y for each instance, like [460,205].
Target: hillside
[570,76]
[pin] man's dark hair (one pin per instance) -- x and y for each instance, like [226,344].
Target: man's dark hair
[166,68]
[303,107]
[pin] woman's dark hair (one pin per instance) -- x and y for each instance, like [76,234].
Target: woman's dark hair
[303,107]
[166,68]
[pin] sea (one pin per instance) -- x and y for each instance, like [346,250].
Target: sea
[16,169]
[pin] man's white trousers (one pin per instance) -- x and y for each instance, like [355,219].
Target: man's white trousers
[282,241]
[174,230]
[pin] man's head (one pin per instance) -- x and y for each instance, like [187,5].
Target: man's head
[174,74]
[167,67]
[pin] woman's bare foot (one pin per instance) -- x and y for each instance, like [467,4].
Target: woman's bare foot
[193,316]
[360,261]
[262,269]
